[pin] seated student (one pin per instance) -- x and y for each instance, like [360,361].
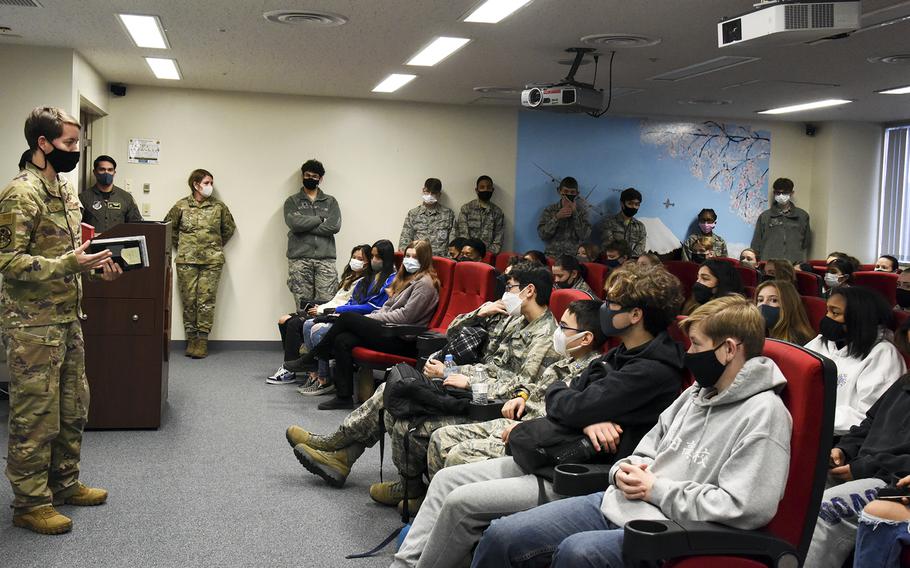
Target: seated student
[749,258]
[455,247]
[903,291]
[588,252]
[568,273]
[837,255]
[779,269]
[616,253]
[578,341]
[536,256]
[473,250]
[873,454]
[716,278]
[649,259]
[853,335]
[839,273]
[614,402]
[702,249]
[707,221]
[413,297]
[296,329]
[883,532]
[887,263]
[720,453]
[785,317]
[802,266]
[519,347]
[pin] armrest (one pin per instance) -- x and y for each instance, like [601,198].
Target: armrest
[430,342]
[402,330]
[647,543]
[573,479]
[484,412]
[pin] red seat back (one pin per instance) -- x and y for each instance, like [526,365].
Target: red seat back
[733,261]
[900,316]
[502,260]
[750,292]
[686,271]
[595,276]
[473,283]
[560,299]
[816,308]
[445,270]
[748,275]
[399,258]
[819,262]
[866,268]
[885,283]
[808,283]
[490,258]
[820,270]
[677,334]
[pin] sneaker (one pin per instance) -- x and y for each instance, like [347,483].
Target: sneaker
[317,389]
[284,378]
[277,373]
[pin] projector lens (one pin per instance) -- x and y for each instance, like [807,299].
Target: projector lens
[534,97]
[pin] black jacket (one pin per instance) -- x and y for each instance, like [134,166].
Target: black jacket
[879,446]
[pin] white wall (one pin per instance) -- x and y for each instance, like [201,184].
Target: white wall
[89,88]
[377,155]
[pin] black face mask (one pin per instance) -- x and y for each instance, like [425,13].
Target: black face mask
[903,298]
[699,257]
[606,319]
[484,195]
[629,211]
[61,160]
[310,183]
[771,315]
[613,262]
[702,293]
[705,367]
[571,197]
[766,277]
[561,285]
[832,330]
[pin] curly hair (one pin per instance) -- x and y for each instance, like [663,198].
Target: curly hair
[650,288]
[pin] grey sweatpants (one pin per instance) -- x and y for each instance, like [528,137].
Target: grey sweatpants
[838,520]
[459,505]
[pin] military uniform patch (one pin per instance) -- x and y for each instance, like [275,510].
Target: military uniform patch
[96,205]
[7,226]
[114,205]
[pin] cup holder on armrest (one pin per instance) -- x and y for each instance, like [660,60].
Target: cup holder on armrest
[484,412]
[574,479]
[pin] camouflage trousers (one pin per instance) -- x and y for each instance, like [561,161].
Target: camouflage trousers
[48,409]
[312,280]
[198,285]
[466,443]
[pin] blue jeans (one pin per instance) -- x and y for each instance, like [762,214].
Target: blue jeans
[567,533]
[879,542]
[311,338]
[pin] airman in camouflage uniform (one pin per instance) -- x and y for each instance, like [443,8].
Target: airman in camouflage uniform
[466,443]
[313,218]
[564,225]
[200,227]
[41,258]
[431,222]
[481,218]
[624,226]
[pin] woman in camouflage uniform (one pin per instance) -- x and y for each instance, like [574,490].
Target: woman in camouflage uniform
[200,227]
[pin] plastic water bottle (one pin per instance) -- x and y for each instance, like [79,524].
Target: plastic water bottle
[450,367]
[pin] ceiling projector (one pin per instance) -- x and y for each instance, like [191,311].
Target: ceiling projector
[787,21]
[567,95]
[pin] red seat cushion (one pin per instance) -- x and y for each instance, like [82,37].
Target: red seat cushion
[808,283]
[502,260]
[687,272]
[445,270]
[748,275]
[560,300]
[816,308]
[595,276]
[378,359]
[885,283]
[473,283]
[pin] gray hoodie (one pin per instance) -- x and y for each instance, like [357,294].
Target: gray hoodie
[717,457]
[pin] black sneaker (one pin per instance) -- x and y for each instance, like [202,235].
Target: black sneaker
[301,365]
[335,403]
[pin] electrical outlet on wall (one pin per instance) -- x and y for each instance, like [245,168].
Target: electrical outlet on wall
[146,188]
[146,209]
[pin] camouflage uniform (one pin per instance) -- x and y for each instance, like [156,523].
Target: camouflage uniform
[199,232]
[562,236]
[312,225]
[107,210]
[719,245]
[633,232]
[40,299]
[431,224]
[468,443]
[484,221]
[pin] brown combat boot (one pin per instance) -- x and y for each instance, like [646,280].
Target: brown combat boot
[391,493]
[86,497]
[202,347]
[333,467]
[191,346]
[335,441]
[44,520]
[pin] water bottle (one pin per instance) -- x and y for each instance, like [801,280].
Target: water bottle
[450,367]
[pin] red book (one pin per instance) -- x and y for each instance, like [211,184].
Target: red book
[88,232]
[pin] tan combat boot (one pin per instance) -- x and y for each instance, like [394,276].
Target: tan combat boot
[44,520]
[391,493]
[297,435]
[333,467]
[191,346]
[87,496]
[202,347]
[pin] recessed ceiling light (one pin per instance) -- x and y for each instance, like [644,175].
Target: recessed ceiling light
[710,102]
[703,68]
[305,17]
[899,59]
[806,106]
[439,49]
[164,68]
[620,40]
[145,31]
[896,91]
[495,11]
[393,82]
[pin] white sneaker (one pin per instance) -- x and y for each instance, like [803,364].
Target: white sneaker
[285,377]
[277,373]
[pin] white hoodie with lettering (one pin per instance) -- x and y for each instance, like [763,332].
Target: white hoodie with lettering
[716,457]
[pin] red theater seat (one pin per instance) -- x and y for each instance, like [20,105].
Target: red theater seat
[399,258]
[819,262]
[502,260]
[885,283]
[560,300]
[732,261]
[808,283]
[866,268]
[686,271]
[749,292]
[816,308]
[748,275]
[595,276]
[490,259]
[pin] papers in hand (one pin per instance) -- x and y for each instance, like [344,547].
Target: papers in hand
[129,252]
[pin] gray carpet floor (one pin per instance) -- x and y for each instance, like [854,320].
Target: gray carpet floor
[216,485]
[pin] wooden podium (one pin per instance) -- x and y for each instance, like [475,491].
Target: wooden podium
[127,336]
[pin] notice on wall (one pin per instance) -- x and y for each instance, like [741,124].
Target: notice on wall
[144,150]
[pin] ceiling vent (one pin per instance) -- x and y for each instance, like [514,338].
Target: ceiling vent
[20,3]
[303,17]
[703,68]
[620,40]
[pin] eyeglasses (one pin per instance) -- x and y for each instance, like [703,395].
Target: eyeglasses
[510,286]
[564,327]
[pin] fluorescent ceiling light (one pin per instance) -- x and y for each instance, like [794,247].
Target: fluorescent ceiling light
[393,82]
[146,31]
[494,11]
[164,68]
[438,50]
[896,91]
[806,106]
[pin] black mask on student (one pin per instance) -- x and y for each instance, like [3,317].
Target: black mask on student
[699,257]
[606,319]
[832,330]
[702,293]
[484,195]
[629,211]
[310,183]
[61,160]
[903,298]
[705,367]
[766,277]
[613,262]
[771,315]
[571,197]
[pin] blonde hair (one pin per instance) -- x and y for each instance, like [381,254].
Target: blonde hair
[730,316]
[425,256]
